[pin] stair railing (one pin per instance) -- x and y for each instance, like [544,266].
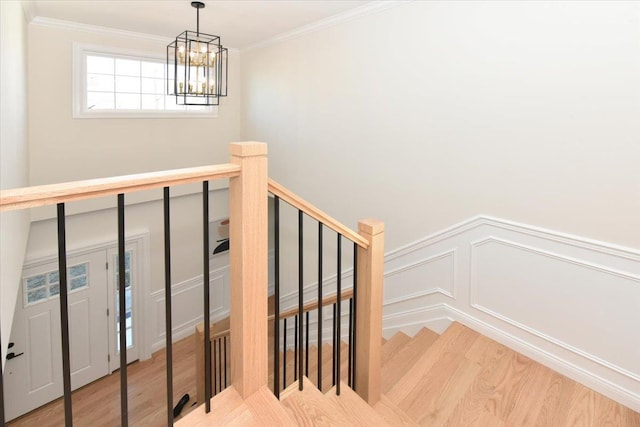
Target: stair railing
[365,311]
[247,173]
[248,213]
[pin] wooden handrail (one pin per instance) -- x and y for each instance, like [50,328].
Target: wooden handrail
[313,305]
[42,195]
[315,213]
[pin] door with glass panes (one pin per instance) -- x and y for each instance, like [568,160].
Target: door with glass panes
[33,374]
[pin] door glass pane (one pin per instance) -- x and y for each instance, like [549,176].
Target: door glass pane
[36,281]
[44,286]
[128,296]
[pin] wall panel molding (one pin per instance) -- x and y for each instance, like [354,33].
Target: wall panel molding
[569,302]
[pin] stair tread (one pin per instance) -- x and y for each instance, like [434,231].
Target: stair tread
[267,410]
[406,357]
[357,410]
[393,345]
[225,403]
[391,413]
[433,372]
[311,407]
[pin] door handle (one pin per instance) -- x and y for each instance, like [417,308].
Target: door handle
[12,355]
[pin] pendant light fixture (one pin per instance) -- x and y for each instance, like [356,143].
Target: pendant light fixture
[197,66]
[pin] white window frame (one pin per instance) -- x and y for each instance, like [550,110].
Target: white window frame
[79,87]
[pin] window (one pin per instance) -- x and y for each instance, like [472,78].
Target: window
[115,83]
[43,287]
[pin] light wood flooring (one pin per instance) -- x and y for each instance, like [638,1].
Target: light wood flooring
[466,379]
[458,379]
[98,404]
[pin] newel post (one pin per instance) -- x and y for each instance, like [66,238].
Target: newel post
[369,311]
[248,264]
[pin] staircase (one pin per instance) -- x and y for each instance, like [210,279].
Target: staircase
[457,379]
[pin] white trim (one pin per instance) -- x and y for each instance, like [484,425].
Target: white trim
[191,286]
[346,16]
[479,220]
[79,87]
[42,21]
[475,304]
[450,253]
[557,363]
[412,304]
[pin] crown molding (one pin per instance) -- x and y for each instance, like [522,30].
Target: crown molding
[29,10]
[355,13]
[41,21]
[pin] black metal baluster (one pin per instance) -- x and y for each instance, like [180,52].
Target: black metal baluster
[226,367]
[320,306]
[350,372]
[295,348]
[300,292]
[122,313]
[220,364]
[215,370]
[339,312]
[284,359]
[276,317]
[306,354]
[206,291]
[355,311]
[167,305]
[333,366]
[64,315]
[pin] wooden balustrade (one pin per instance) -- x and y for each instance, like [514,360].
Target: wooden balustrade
[248,195]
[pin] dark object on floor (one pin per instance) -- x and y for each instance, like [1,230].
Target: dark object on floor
[224,246]
[183,401]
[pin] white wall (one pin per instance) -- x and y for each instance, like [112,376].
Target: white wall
[67,149]
[429,113]
[14,168]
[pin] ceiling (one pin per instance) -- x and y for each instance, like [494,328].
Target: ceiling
[239,23]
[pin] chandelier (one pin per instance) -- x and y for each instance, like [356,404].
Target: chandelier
[197,66]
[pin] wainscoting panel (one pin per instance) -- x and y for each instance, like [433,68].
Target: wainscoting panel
[570,303]
[186,298]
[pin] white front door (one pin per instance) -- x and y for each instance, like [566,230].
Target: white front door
[34,376]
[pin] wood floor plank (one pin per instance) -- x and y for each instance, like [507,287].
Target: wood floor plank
[225,403]
[455,338]
[357,411]
[311,408]
[557,398]
[581,411]
[392,414]
[267,410]
[508,384]
[98,403]
[529,401]
[404,358]
[436,407]
[396,342]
